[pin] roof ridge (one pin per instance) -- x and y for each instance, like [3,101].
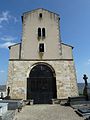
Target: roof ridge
[42,9]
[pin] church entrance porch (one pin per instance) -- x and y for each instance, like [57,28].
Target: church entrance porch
[41,84]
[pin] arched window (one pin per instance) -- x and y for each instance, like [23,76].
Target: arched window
[39,32]
[40,15]
[43,32]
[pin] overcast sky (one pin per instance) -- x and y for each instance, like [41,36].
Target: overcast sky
[74,26]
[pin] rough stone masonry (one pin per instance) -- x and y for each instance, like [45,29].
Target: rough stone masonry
[41,51]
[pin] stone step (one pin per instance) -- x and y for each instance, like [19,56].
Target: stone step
[75,100]
[79,98]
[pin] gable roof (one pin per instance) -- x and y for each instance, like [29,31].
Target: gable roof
[13,45]
[68,45]
[41,9]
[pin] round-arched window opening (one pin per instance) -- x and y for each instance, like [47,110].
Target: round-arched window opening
[39,32]
[40,15]
[43,32]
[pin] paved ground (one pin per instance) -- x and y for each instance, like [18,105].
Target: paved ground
[47,112]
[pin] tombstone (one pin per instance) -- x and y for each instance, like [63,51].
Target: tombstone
[86,91]
[1,95]
[88,118]
[8,93]
[3,108]
[85,79]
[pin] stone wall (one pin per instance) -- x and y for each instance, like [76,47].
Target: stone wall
[65,78]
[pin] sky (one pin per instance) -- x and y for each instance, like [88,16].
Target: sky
[74,28]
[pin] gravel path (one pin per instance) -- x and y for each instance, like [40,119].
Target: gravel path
[47,112]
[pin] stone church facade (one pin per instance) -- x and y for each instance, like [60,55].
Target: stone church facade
[41,67]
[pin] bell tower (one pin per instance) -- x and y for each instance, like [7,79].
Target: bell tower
[41,35]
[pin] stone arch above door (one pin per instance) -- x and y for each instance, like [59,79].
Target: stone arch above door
[41,84]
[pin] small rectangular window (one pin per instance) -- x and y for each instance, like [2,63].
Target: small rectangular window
[41,47]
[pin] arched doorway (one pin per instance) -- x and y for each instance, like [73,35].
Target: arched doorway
[41,84]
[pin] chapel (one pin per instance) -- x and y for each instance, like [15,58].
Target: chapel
[41,67]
